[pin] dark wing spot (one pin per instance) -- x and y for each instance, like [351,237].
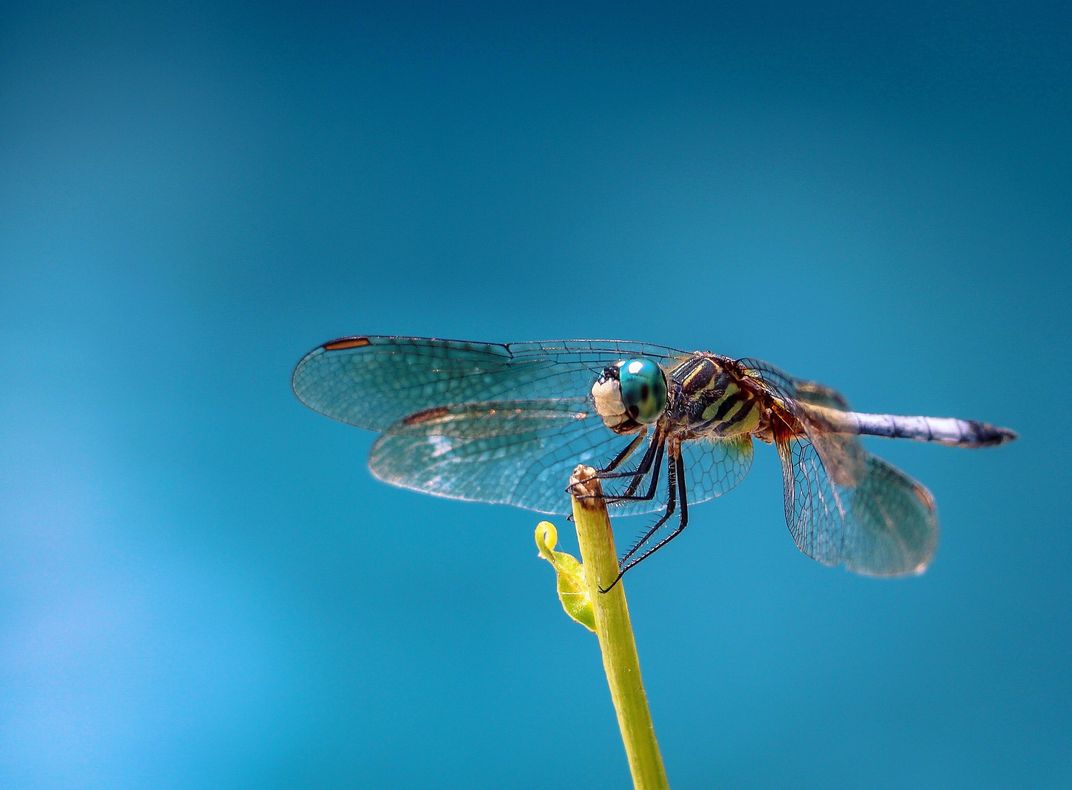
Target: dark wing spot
[346,342]
[428,415]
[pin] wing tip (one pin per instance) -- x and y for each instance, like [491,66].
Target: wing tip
[338,344]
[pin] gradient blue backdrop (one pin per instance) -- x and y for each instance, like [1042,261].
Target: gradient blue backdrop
[202,586]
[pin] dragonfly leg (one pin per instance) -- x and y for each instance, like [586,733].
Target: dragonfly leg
[652,457]
[607,473]
[625,453]
[675,473]
[630,495]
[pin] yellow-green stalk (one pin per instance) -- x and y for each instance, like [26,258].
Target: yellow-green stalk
[614,631]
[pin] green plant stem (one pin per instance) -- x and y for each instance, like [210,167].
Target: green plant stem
[615,632]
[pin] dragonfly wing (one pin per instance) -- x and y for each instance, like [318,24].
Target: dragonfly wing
[715,466]
[843,505]
[786,386]
[521,453]
[820,395]
[777,380]
[517,453]
[882,523]
[376,381]
[842,454]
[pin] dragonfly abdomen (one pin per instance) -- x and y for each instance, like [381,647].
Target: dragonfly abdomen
[941,430]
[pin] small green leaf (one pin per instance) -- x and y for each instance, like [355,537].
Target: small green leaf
[572,588]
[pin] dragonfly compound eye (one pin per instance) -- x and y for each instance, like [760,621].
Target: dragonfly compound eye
[643,389]
[630,393]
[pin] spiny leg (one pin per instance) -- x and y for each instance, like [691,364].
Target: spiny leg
[625,453]
[671,504]
[679,465]
[652,457]
[629,495]
[645,461]
[672,486]
[675,472]
[606,472]
[658,438]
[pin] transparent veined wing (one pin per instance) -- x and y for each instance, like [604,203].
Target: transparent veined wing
[882,523]
[376,381]
[714,467]
[786,386]
[843,505]
[517,453]
[521,453]
[841,453]
[491,422]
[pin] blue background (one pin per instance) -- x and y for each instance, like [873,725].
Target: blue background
[200,583]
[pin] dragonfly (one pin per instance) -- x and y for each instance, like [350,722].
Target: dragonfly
[506,423]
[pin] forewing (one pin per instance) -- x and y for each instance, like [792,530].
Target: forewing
[376,381]
[883,524]
[518,453]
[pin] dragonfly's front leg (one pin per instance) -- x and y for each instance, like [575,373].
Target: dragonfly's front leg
[656,464]
[652,458]
[608,473]
[675,473]
[620,457]
[675,488]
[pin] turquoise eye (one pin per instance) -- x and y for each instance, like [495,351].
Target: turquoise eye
[643,389]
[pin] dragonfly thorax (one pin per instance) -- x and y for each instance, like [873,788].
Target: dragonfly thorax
[713,398]
[630,394]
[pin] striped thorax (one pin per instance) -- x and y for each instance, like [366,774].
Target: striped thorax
[713,398]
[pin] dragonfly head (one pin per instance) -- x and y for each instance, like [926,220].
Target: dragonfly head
[630,394]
